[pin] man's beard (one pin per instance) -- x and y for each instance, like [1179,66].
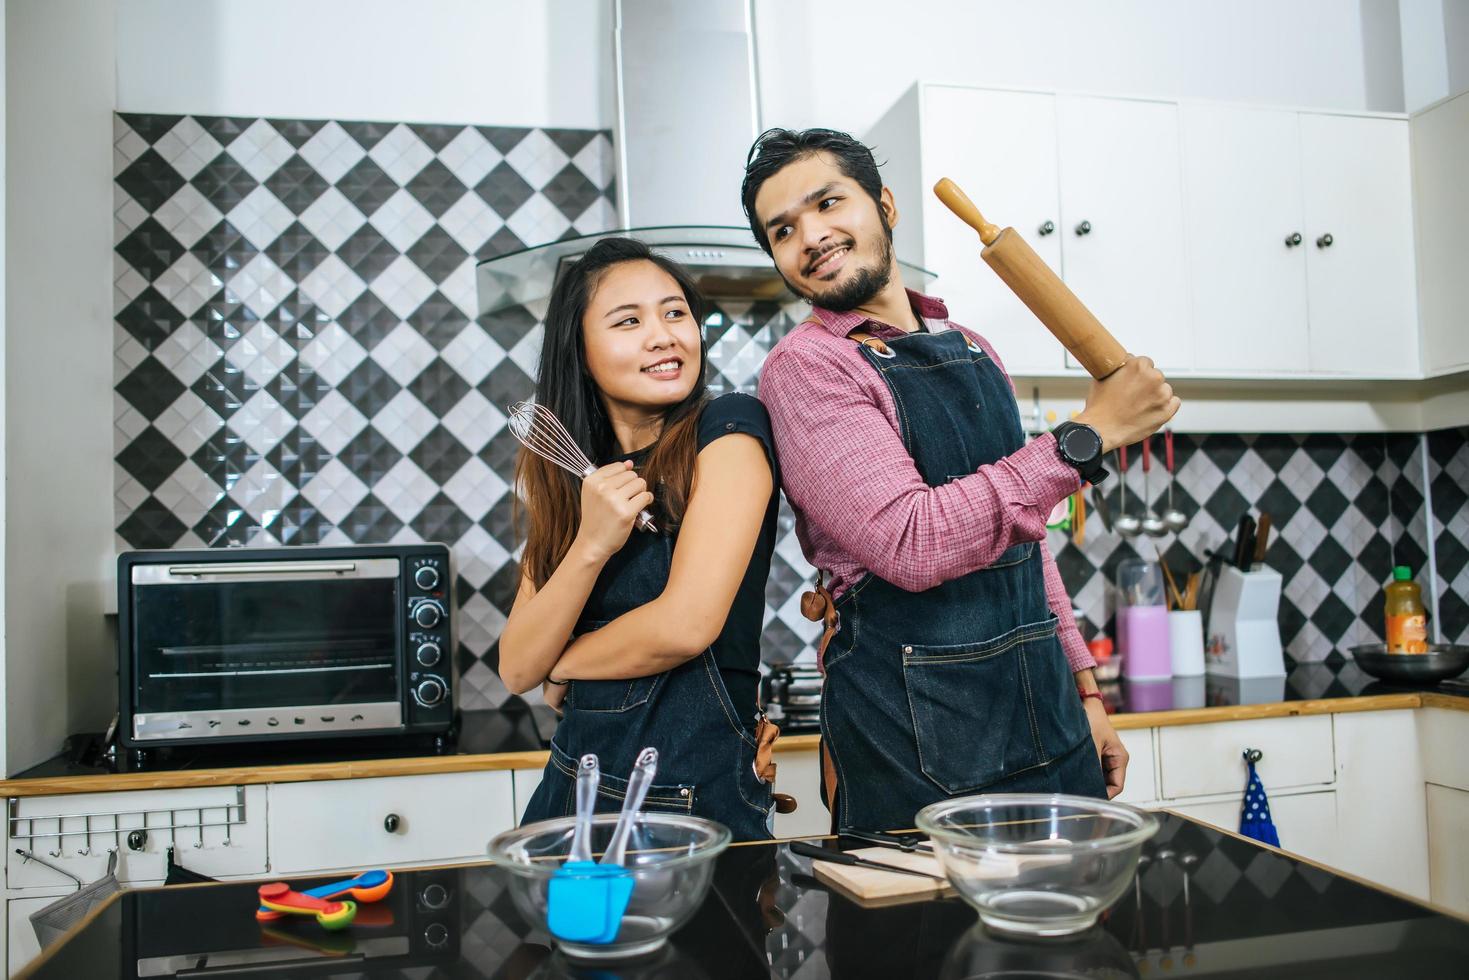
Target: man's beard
[861,287]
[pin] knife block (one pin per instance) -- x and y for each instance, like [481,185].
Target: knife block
[1244,634]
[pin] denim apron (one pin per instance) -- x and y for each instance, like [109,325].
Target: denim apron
[964,687]
[706,744]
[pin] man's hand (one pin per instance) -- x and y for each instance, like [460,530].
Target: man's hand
[1110,749]
[554,694]
[1130,404]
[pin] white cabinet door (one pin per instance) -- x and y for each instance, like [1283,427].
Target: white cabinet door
[21,944]
[1359,246]
[1448,855]
[525,782]
[344,825]
[1000,147]
[1204,760]
[1123,251]
[1441,206]
[799,774]
[1305,822]
[1242,201]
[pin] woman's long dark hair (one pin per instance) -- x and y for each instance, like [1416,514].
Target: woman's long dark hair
[550,497]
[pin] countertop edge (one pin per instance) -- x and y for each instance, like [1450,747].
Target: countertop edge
[507,761]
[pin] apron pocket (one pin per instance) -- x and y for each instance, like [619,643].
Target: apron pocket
[972,709]
[611,696]
[664,798]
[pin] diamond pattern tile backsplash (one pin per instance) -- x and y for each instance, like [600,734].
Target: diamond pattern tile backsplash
[298,361]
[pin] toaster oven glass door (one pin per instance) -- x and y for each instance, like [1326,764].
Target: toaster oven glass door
[222,636]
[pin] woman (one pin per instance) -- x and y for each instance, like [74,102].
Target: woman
[645,638]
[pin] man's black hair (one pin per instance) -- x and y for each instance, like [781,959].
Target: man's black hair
[775,148]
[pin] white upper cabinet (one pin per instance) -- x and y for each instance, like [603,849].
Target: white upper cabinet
[1440,136]
[1247,244]
[1359,246]
[1000,147]
[1222,241]
[1123,250]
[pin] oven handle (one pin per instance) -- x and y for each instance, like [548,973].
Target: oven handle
[209,570]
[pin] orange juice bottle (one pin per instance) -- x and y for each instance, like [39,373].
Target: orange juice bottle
[1407,620]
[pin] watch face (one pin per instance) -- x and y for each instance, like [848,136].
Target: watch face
[1082,444]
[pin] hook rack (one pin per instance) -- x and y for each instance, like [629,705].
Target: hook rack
[123,824]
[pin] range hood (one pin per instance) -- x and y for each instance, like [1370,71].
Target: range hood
[687,112]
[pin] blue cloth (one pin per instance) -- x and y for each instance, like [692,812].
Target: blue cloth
[964,686]
[1254,813]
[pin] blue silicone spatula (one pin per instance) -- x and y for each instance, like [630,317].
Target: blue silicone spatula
[576,904]
[620,888]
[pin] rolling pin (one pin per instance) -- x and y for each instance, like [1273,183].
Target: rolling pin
[1038,287]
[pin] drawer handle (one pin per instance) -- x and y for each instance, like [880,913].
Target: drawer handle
[391,823]
[1253,755]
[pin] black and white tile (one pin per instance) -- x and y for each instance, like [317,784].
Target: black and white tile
[1345,510]
[297,355]
[298,361]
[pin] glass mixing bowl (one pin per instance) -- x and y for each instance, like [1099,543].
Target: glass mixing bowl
[670,861]
[1037,865]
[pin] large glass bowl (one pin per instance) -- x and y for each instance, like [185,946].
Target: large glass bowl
[670,859]
[1037,865]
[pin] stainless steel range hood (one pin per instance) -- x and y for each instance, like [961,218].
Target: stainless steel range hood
[687,112]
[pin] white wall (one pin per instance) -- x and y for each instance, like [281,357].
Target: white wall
[495,62]
[842,65]
[58,372]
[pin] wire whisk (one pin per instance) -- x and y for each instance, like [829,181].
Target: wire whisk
[538,429]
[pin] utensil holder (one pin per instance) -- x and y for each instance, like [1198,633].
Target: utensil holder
[1186,642]
[1244,633]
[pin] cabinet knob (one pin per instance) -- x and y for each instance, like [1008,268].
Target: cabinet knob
[137,840]
[1293,239]
[1085,228]
[391,823]
[1046,229]
[1324,241]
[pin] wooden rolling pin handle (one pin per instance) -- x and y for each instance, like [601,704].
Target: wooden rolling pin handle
[959,203]
[1038,287]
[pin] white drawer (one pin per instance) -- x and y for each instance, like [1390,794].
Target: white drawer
[1201,760]
[217,830]
[1139,786]
[799,774]
[443,817]
[1305,822]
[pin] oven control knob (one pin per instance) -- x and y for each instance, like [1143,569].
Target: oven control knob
[428,614]
[430,691]
[428,654]
[426,578]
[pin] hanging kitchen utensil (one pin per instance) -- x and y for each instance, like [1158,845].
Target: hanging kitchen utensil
[1099,504]
[538,429]
[1176,519]
[1152,525]
[1038,287]
[1127,525]
[1262,540]
[577,901]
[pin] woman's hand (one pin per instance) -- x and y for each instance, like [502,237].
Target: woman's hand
[1110,750]
[610,501]
[554,694]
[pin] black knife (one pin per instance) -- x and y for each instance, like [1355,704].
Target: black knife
[816,853]
[903,842]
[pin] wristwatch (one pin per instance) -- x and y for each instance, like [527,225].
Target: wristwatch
[1081,448]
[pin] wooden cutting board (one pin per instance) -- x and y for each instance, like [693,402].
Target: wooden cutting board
[874,888]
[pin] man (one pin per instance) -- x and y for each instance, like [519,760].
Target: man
[953,664]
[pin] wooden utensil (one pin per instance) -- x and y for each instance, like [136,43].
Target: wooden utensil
[1038,287]
[1191,591]
[1168,574]
[1078,519]
[1262,539]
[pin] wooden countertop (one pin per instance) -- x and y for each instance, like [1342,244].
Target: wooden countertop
[502,761]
